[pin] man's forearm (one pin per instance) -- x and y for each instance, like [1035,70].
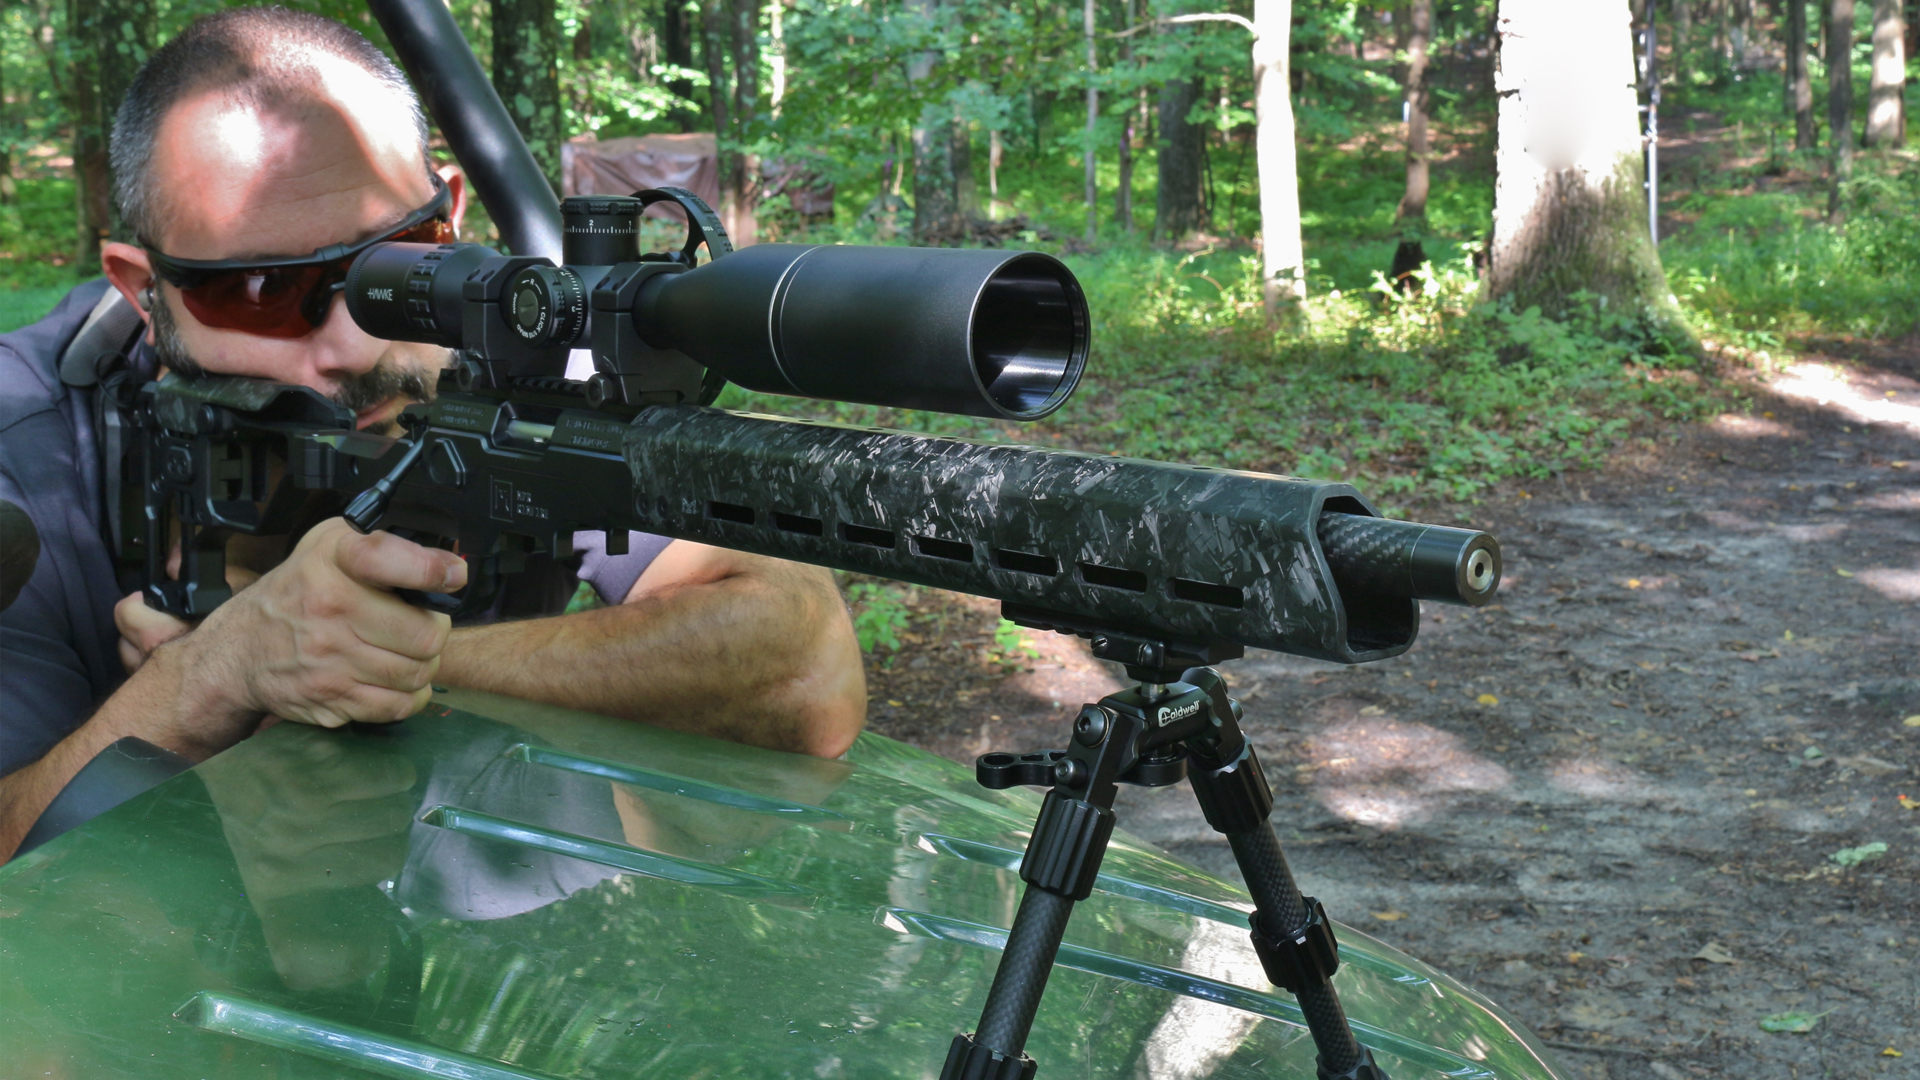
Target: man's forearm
[149,705]
[763,654]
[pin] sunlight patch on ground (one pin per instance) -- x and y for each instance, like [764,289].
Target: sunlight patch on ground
[1813,534]
[1891,500]
[1386,773]
[1596,778]
[1890,583]
[1753,427]
[1827,386]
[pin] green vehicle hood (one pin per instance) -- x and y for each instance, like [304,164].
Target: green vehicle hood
[499,890]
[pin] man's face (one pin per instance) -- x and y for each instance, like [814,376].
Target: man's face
[238,180]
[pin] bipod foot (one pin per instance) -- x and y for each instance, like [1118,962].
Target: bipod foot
[968,1059]
[1364,1069]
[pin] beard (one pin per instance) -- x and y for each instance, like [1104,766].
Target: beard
[386,380]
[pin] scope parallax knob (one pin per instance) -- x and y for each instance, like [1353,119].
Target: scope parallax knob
[546,305]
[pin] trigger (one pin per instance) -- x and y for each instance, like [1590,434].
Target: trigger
[444,603]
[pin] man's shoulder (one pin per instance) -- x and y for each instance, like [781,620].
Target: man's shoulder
[30,356]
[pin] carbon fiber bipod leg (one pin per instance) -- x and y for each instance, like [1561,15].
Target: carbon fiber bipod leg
[1291,933]
[1062,861]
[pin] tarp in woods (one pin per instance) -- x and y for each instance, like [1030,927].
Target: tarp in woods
[590,166]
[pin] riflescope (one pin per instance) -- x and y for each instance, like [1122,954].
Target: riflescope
[998,334]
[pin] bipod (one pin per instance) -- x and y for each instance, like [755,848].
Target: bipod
[1178,722]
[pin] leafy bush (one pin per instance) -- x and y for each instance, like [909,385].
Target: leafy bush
[879,615]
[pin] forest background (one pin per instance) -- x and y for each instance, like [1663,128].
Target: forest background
[968,121]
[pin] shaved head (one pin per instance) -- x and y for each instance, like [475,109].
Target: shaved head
[247,68]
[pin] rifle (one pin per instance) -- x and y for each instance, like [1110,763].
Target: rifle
[1168,569]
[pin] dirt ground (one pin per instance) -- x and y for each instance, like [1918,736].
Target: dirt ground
[1610,800]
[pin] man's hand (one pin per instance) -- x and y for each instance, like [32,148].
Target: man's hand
[320,638]
[143,629]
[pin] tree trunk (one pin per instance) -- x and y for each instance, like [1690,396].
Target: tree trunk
[1412,211]
[526,73]
[676,39]
[715,33]
[994,151]
[1682,26]
[1741,34]
[109,39]
[1569,213]
[1284,265]
[1840,103]
[777,61]
[1123,195]
[936,211]
[744,196]
[1179,209]
[1093,122]
[1799,78]
[1886,93]
[966,190]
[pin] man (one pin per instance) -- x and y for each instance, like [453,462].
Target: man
[257,134]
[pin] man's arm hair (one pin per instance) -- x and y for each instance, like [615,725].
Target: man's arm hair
[723,643]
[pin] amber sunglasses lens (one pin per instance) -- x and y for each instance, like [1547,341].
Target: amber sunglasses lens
[266,303]
[288,301]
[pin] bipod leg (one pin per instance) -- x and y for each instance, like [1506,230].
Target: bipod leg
[1290,931]
[1063,859]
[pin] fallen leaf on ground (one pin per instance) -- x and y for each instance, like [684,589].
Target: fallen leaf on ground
[1891,1052]
[1909,804]
[1912,721]
[1854,856]
[1843,573]
[1715,953]
[1389,916]
[1873,765]
[1487,699]
[1792,1020]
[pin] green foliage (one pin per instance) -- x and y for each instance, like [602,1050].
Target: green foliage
[1854,856]
[584,599]
[879,615]
[1759,265]
[1011,647]
[37,235]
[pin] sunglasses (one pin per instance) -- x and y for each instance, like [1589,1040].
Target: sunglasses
[288,298]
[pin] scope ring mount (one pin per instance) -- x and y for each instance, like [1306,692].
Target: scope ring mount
[703,226]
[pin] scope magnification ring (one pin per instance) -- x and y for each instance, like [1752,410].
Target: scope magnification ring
[546,304]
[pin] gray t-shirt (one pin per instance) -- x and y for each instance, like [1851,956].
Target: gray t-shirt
[59,653]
